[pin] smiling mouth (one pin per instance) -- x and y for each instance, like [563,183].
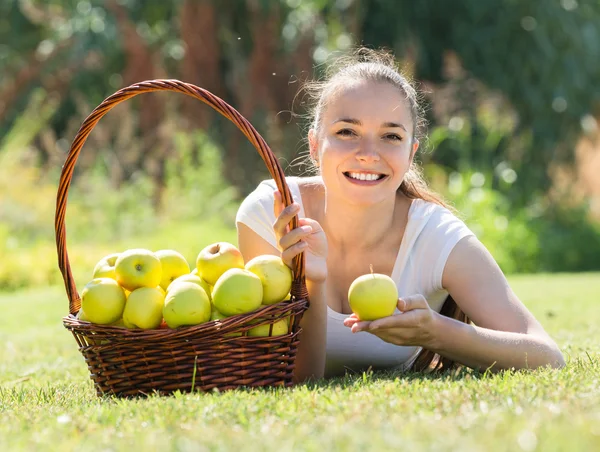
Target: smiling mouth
[367,177]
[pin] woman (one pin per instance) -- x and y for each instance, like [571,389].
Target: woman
[369,205]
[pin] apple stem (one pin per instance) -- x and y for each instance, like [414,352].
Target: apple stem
[371,267]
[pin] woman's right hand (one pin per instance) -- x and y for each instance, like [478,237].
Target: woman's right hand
[308,236]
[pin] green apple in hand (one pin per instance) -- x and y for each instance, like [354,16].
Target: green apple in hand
[173,265]
[237,291]
[103,301]
[186,304]
[105,268]
[373,296]
[275,276]
[195,279]
[138,268]
[144,308]
[216,259]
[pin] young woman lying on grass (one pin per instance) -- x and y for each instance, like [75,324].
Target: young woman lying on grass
[370,205]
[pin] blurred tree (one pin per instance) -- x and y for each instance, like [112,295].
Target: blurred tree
[541,60]
[542,56]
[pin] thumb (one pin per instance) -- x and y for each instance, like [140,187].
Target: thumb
[412,302]
[277,203]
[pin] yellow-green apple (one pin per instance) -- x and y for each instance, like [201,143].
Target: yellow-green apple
[195,279]
[373,296]
[138,268]
[279,329]
[237,291]
[216,315]
[194,271]
[103,301]
[173,265]
[120,322]
[216,259]
[81,316]
[186,304]
[144,308]
[275,276]
[105,268]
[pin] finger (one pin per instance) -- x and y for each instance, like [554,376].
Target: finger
[351,320]
[281,223]
[412,302]
[294,236]
[400,320]
[277,203]
[288,255]
[316,227]
[361,326]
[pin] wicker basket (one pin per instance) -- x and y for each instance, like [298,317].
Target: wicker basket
[214,355]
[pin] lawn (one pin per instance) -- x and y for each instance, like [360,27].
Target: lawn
[47,401]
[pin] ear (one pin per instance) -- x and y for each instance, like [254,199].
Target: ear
[415,147]
[313,144]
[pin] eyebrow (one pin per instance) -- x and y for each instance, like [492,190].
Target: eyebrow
[358,123]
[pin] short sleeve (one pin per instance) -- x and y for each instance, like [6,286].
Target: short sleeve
[440,234]
[448,232]
[256,211]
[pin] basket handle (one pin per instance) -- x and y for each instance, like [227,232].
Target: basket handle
[298,287]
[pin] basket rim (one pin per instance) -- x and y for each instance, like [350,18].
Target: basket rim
[299,288]
[212,327]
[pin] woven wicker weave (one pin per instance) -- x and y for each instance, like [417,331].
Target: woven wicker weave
[216,354]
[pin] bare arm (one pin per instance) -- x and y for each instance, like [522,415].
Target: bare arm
[310,358]
[505,335]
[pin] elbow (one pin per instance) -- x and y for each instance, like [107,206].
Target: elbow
[558,360]
[555,358]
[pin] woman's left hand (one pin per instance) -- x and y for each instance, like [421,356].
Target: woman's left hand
[414,325]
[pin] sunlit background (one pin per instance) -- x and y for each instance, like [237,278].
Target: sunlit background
[512,90]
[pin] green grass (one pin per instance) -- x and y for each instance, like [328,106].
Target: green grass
[47,401]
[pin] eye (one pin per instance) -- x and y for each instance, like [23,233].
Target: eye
[346,132]
[393,136]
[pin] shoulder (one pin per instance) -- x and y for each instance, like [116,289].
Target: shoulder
[437,219]
[263,194]
[436,231]
[300,185]
[310,186]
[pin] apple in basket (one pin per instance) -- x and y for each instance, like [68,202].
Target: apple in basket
[105,268]
[279,329]
[173,265]
[196,280]
[103,301]
[373,296]
[186,303]
[237,291]
[138,268]
[275,276]
[216,259]
[216,315]
[144,308]
[82,316]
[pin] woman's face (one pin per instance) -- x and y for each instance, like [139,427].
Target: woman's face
[364,145]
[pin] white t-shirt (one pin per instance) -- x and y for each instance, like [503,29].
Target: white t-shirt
[431,233]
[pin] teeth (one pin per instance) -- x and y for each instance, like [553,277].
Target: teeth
[363,176]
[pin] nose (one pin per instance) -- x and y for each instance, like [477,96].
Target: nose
[367,152]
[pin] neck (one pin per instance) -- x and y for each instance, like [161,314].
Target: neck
[351,227]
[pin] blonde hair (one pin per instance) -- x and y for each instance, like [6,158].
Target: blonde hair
[364,64]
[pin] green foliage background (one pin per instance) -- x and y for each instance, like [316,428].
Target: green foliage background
[511,87]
